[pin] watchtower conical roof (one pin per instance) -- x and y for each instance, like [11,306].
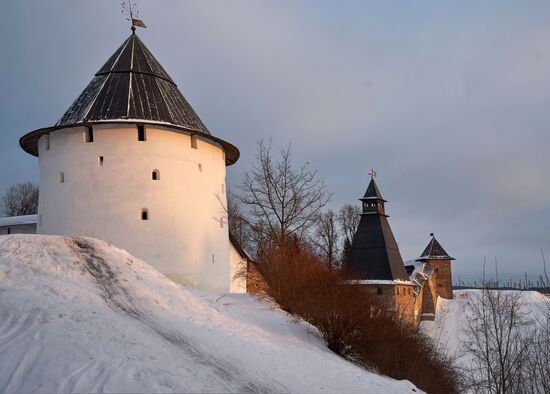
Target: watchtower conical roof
[374,252]
[373,192]
[434,251]
[132,86]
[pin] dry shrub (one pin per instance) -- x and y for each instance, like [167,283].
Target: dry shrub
[353,323]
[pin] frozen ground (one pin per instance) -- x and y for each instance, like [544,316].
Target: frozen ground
[78,315]
[451,316]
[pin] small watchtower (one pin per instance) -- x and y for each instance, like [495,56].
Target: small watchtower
[374,252]
[375,261]
[439,260]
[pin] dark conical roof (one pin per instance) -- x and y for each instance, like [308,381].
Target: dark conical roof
[132,86]
[434,251]
[373,191]
[374,252]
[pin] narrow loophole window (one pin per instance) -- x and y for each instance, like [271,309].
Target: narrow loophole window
[200,167]
[194,142]
[156,175]
[89,134]
[144,214]
[9,231]
[47,142]
[61,177]
[379,291]
[100,161]
[141,133]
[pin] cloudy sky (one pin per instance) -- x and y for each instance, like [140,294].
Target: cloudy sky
[448,101]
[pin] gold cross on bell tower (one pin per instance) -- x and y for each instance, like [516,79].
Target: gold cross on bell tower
[372,173]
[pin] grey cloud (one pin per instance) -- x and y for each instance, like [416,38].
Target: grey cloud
[448,101]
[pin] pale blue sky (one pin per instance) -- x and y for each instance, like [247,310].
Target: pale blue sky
[449,101]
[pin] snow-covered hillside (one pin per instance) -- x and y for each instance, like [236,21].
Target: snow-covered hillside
[448,329]
[78,315]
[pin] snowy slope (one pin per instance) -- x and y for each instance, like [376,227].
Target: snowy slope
[78,315]
[448,329]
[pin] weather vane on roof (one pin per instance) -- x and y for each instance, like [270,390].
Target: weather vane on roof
[131,12]
[372,173]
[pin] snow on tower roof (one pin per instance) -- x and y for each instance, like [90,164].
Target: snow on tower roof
[132,87]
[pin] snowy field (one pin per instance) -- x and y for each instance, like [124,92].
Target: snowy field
[448,329]
[78,315]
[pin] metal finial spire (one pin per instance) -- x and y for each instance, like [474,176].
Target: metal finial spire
[372,173]
[129,9]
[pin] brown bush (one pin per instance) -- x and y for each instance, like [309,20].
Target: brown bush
[352,323]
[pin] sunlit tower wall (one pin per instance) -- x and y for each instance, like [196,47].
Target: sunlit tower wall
[131,163]
[439,260]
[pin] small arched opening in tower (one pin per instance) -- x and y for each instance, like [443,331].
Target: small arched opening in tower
[141,133]
[156,175]
[144,214]
[88,134]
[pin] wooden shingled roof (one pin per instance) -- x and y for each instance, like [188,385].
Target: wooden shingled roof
[434,251]
[132,86]
[374,252]
[373,192]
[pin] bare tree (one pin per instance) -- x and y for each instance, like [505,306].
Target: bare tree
[498,341]
[537,369]
[538,365]
[348,217]
[21,199]
[281,200]
[237,221]
[326,237]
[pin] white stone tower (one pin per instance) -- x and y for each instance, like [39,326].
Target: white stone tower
[131,163]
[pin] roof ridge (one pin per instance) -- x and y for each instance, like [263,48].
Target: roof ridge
[98,74]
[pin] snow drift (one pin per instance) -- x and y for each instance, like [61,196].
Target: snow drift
[79,315]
